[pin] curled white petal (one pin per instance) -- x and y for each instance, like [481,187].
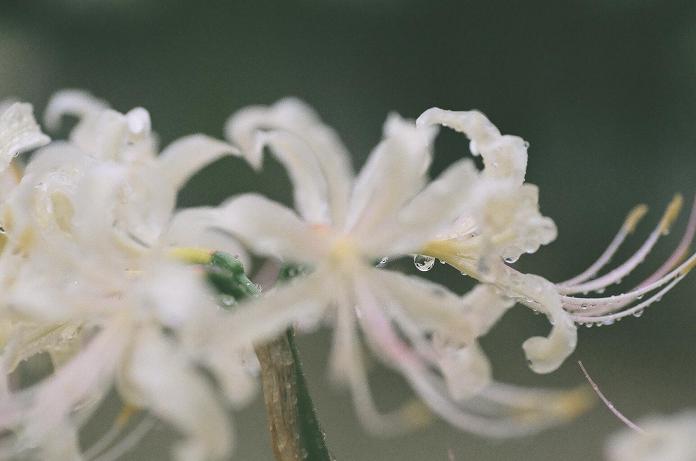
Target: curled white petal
[184,157]
[504,156]
[18,132]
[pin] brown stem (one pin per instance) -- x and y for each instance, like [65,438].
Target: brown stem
[279,383]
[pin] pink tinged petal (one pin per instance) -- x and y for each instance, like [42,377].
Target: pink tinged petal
[431,306]
[503,156]
[271,229]
[184,157]
[627,228]
[428,385]
[18,133]
[171,388]
[394,173]
[203,227]
[294,117]
[428,214]
[347,366]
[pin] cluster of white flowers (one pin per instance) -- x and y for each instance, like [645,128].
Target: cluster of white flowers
[90,273]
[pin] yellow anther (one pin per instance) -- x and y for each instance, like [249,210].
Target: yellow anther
[191,255]
[575,402]
[26,240]
[689,266]
[416,414]
[634,218]
[671,213]
[126,414]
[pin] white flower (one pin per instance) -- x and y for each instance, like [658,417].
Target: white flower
[18,132]
[502,221]
[347,223]
[665,438]
[88,277]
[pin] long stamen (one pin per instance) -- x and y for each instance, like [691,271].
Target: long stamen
[623,270]
[628,227]
[636,310]
[574,304]
[680,252]
[608,403]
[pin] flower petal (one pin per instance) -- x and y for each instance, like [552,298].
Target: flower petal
[171,388]
[431,211]
[184,157]
[394,173]
[270,229]
[202,227]
[503,156]
[18,133]
[293,116]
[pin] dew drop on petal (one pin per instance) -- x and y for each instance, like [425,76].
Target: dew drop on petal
[511,260]
[638,313]
[423,263]
[608,322]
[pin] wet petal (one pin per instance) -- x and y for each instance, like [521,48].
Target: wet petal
[503,156]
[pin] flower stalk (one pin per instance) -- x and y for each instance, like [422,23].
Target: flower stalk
[292,422]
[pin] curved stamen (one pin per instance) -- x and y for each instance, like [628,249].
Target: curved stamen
[623,270]
[635,310]
[680,252]
[628,227]
[575,304]
[128,442]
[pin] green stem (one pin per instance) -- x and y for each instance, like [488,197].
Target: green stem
[292,421]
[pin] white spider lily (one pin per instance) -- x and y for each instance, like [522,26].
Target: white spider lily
[87,277]
[503,221]
[344,225]
[665,438]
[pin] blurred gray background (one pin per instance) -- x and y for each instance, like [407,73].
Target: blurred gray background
[604,91]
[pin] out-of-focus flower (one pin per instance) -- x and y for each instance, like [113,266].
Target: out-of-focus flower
[665,438]
[347,223]
[87,276]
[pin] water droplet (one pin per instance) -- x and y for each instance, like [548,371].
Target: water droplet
[589,325]
[526,144]
[608,322]
[227,300]
[423,263]
[601,290]
[511,259]
[638,313]
[640,296]
[383,262]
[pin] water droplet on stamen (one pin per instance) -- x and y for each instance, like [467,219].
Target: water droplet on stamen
[423,263]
